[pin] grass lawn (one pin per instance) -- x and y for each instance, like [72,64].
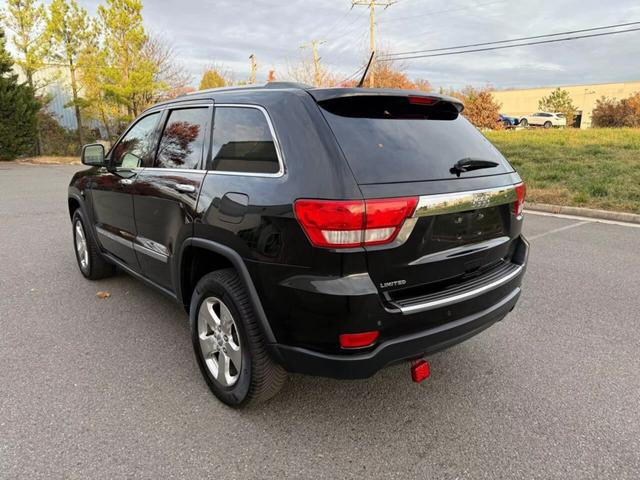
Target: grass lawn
[596,168]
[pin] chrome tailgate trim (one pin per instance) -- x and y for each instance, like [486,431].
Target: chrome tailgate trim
[459,297]
[441,204]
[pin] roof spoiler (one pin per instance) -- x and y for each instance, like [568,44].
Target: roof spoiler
[323,94]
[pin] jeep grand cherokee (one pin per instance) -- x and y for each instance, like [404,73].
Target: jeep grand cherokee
[325,231]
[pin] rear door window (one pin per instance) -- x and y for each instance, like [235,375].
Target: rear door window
[183,138]
[243,142]
[387,140]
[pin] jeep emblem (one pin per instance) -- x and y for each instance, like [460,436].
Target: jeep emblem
[481,200]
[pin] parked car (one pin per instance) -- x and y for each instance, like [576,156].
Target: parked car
[544,119]
[508,122]
[324,231]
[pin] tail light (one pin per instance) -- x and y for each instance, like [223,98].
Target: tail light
[358,340]
[416,100]
[353,223]
[518,206]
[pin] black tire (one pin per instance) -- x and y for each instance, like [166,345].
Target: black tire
[524,122]
[97,266]
[259,377]
[548,124]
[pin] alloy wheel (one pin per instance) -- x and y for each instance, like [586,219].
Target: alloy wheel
[81,246]
[219,341]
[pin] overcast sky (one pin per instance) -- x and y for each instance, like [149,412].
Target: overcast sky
[226,32]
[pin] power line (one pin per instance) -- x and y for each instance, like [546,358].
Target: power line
[555,40]
[352,75]
[439,12]
[333,26]
[345,31]
[514,39]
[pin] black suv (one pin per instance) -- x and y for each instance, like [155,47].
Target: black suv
[325,231]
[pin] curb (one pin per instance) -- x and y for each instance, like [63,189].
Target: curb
[585,212]
[46,164]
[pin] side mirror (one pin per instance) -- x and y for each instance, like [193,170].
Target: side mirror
[93,155]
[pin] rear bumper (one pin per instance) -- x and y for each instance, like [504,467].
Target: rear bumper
[301,360]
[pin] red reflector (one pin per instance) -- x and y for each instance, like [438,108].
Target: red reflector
[518,206]
[415,100]
[358,340]
[353,223]
[420,370]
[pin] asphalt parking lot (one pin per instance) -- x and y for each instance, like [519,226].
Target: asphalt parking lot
[106,389]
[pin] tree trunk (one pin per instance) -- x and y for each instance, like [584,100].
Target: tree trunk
[39,149]
[105,122]
[74,91]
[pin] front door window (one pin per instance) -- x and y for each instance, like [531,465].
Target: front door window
[137,145]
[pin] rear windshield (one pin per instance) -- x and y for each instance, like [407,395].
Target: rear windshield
[387,139]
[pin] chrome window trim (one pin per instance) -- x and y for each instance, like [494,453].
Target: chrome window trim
[441,204]
[443,302]
[276,143]
[135,170]
[178,170]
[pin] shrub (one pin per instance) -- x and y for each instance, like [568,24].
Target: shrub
[610,112]
[480,107]
[57,140]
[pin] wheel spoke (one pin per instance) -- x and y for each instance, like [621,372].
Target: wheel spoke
[213,316]
[234,355]
[205,317]
[223,369]
[226,319]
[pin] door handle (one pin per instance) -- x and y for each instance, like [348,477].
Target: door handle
[184,188]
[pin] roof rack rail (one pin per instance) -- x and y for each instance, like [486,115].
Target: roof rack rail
[302,86]
[252,86]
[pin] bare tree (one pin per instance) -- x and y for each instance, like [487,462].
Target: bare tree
[171,75]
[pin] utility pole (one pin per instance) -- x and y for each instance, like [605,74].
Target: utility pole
[254,67]
[317,77]
[372,4]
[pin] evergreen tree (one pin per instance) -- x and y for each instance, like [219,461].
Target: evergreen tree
[27,21]
[18,108]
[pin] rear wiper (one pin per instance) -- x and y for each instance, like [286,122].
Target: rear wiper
[468,164]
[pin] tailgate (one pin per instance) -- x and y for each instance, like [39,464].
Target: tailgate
[408,144]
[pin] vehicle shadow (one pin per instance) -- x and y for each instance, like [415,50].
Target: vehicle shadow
[458,376]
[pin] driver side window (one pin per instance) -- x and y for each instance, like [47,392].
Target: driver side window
[137,145]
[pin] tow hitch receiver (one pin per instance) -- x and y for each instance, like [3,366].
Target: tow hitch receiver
[420,370]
